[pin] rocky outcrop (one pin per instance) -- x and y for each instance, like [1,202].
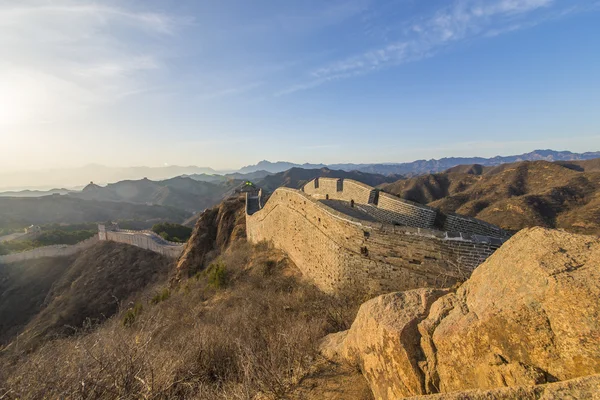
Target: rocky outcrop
[384,342]
[214,231]
[529,315]
[587,387]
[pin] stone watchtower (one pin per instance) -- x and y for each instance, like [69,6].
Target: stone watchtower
[102,229]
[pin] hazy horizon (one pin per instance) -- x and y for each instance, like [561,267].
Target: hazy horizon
[224,84]
[76,178]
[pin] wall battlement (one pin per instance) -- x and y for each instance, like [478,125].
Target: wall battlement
[340,250]
[397,211]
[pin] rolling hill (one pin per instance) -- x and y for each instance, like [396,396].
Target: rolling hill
[514,196]
[17,212]
[52,296]
[183,193]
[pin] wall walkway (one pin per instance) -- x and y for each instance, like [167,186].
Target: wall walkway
[146,240]
[341,252]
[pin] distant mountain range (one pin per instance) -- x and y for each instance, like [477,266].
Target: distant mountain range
[183,193]
[78,177]
[426,166]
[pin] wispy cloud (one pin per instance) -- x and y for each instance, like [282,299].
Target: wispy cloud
[425,37]
[60,57]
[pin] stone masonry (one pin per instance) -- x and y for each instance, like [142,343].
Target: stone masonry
[360,250]
[343,251]
[145,239]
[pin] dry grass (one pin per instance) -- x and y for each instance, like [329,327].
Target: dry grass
[257,335]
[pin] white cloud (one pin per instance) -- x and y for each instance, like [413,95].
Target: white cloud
[59,58]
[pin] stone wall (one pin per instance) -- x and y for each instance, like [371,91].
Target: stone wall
[405,212]
[461,223]
[339,252]
[338,189]
[59,250]
[146,240]
[394,210]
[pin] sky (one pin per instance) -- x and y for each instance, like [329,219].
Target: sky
[228,83]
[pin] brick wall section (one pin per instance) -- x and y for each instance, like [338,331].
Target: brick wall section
[146,240]
[460,223]
[339,252]
[394,210]
[406,212]
[357,191]
[352,190]
[60,250]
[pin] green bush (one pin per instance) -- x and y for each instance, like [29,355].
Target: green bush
[162,296]
[172,232]
[131,314]
[217,275]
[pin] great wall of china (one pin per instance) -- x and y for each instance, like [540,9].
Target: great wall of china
[144,239]
[345,235]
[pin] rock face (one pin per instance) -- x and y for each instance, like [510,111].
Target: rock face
[587,387]
[384,342]
[529,315]
[214,230]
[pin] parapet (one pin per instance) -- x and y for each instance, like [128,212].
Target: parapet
[393,210]
[343,240]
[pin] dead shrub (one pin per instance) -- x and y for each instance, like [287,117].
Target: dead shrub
[257,335]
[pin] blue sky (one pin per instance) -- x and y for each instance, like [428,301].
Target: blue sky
[231,82]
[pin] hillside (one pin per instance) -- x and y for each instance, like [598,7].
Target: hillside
[298,177]
[53,296]
[514,196]
[240,321]
[245,324]
[20,212]
[183,193]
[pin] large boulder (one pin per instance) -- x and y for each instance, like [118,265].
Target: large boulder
[529,315]
[385,343]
